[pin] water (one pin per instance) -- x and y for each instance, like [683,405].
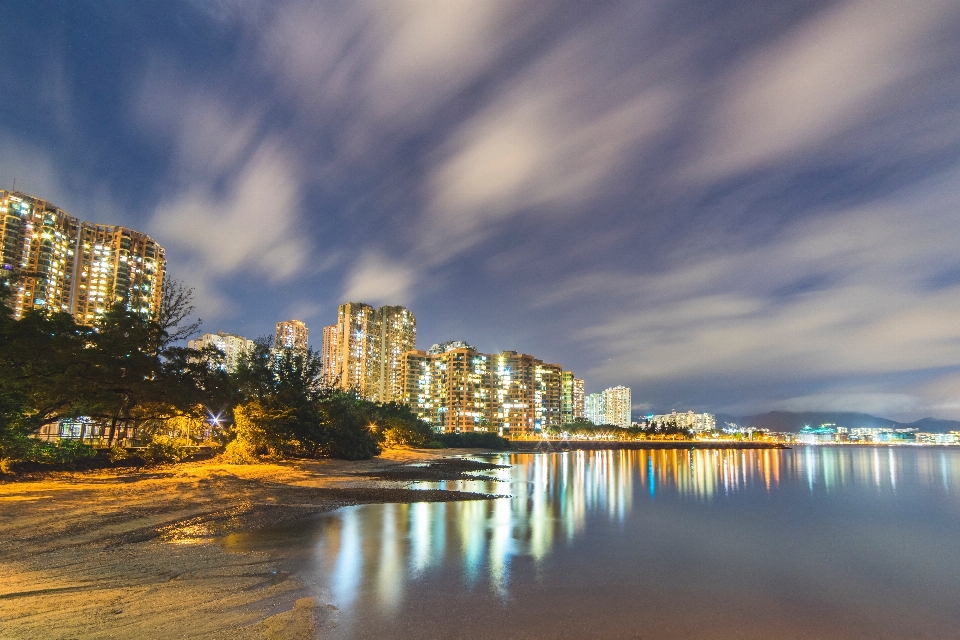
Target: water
[811,542]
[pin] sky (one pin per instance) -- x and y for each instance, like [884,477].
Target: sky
[734,206]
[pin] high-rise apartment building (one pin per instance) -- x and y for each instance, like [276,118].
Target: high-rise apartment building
[689,420]
[617,405]
[232,346]
[329,352]
[291,334]
[595,409]
[448,387]
[355,351]
[37,243]
[116,265]
[578,399]
[571,403]
[456,388]
[394,333]
[363,350]
[80,268]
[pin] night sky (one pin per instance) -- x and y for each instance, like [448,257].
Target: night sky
[728,206]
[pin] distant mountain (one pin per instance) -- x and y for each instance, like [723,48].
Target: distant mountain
[724,418]
[796,420]
[935,425]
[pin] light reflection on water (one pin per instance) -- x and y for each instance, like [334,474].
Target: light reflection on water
[588,529]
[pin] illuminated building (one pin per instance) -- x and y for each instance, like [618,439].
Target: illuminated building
[594,409]
[37,240]
[231,345]
[456,388]
[116,265]
[291,334]
[696,422]
[571,402]
[363,350]
[79,268]
[616,406]
[527,393]
[329,353]
[394,333]
[354,351]
[448,387]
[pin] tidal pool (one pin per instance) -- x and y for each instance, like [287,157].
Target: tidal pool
[810,542]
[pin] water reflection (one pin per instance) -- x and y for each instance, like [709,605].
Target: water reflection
[377,561]
[554,497]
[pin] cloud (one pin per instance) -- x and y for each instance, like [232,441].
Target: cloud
[252,226]
[827,75]
[380,69]
[552,139]
[375,279]
[210,136]
[838,296]
[234,202]
[38,171]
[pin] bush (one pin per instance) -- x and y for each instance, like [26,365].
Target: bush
[116,453]
[474,439]
[59,452]
[166,449]
[398,432]
[238,452]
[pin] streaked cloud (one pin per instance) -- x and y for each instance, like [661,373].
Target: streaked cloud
[842,295]
[828,74]
[376,279]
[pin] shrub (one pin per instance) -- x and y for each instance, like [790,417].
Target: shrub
[237,452]
[59,452]
[116,453]
[398,432]
[163,448]
[474,439]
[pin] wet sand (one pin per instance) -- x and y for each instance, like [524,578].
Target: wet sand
[133,553]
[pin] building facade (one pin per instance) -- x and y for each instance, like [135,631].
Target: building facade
[329,352]
[363,350]
[394,333]
[594,409]
[232,346]
[38,244]
[291,334]
[617,405]
[696,422]
[456,388]
[449,388]
[355,351]
[116,265]
[84,269]
[571,403]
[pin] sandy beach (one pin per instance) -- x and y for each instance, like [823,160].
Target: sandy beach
[135,553]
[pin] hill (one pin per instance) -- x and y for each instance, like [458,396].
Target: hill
[796,420]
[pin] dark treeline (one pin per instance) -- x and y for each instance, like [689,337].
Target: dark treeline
[129,379]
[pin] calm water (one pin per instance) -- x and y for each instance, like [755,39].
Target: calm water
[811,542]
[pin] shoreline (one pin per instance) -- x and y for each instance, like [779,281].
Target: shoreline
[122,553]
